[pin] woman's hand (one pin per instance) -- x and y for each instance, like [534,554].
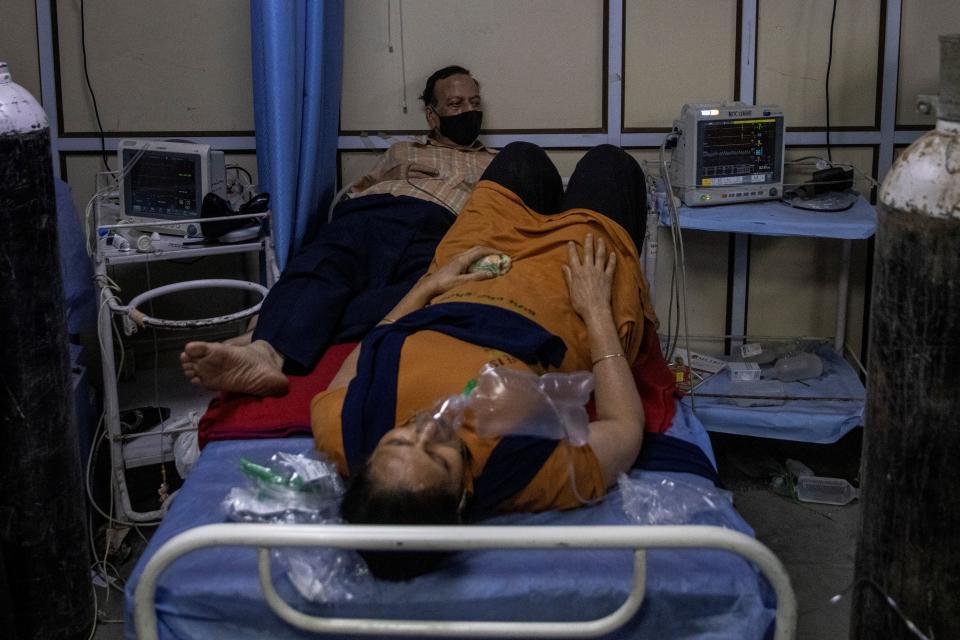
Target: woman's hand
[590,280]
[455,273]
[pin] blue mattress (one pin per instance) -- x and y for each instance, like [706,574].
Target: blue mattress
[690,593]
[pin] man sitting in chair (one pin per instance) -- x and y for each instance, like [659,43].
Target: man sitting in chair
[378,245]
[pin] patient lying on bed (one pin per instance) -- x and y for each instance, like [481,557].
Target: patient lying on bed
[574,299]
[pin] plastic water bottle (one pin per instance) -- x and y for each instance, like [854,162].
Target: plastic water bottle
[797,367]
[826,490]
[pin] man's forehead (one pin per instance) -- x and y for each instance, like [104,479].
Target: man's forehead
[457,84]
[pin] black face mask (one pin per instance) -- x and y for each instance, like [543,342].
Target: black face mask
[462,128]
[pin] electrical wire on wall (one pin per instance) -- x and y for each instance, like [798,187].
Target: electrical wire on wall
[678,281]
[93,96]
[390,49]
[833,19]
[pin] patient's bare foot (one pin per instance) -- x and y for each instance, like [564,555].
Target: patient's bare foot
[255,368]
[241,340]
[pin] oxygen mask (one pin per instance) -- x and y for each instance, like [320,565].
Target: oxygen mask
[444,419]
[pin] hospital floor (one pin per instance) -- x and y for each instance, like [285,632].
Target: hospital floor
[815,542]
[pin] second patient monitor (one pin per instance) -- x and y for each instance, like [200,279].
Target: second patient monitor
[727,153]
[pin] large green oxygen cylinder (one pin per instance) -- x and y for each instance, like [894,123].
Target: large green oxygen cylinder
[908,552]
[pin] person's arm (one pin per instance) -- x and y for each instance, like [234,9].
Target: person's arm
[617,433]
[426,289]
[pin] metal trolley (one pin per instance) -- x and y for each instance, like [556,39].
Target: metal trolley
[109,253]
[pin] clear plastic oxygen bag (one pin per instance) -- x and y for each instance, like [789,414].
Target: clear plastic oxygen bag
[301,488]
[509,402]
[656,498]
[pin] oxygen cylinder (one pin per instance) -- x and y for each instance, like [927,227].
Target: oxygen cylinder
[43,537]
[910,494]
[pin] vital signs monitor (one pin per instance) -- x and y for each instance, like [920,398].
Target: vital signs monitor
[726,153]
[167,181]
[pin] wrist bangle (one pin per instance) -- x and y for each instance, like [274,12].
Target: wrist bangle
[609,355]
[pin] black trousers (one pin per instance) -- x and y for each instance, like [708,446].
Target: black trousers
[606,180]
[356,269]
[359,266]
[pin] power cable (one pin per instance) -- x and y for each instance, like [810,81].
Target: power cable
[86,75]
[833,19]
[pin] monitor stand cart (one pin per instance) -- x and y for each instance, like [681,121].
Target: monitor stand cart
[135,450]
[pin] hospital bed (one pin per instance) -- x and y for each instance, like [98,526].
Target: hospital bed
[579,573]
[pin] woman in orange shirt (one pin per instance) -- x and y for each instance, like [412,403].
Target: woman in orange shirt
[574,299]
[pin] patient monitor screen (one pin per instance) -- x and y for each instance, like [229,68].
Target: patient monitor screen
[162,184]
[736,152]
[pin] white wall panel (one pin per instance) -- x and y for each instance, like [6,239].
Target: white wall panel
[793,43]
[921,22]
[18,43]
[539,62]
[157,65]
[675,52]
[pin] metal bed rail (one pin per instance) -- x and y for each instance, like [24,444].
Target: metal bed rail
[452,538]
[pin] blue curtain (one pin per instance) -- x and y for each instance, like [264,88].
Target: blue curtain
[297,66]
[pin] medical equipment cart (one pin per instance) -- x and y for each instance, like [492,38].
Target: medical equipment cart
[124,244]
[820,410]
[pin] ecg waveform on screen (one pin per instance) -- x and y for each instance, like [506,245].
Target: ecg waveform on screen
[734,148]
[163,185]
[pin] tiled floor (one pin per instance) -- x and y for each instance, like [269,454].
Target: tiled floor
[815,542]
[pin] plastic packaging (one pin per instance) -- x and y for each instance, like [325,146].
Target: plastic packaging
[186,450]
[744,371]
[301,488]
[767,351]
[797,367]
[327,575]
[509,402]
[653,498]
[826,490]
[291,488]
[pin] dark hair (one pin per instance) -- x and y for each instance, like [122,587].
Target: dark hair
[428,97]
[366,503]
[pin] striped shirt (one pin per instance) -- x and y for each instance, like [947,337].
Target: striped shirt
[427,170]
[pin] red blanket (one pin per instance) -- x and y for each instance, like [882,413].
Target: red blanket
[236,417]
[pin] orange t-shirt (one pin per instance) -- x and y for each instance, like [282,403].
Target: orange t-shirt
[434,366]
[535,287]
